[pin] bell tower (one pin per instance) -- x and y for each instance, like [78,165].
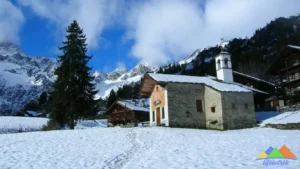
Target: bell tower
[223,64]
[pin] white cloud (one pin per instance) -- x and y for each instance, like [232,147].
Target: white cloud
[92,15]
[107,68]
[165,31]
[121,65]
[11,20]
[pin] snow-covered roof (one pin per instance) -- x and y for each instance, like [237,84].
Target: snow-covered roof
[251,88]
[293,46]
[139,106]
[34,113]
[252,77]
[241,85]
[220,86]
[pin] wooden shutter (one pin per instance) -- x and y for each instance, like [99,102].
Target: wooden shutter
[246,105]
[153,116]
[233,105]
[199,105]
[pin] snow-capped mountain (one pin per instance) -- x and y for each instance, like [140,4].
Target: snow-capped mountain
[23,78]
[190,57]
[122,77]
[114,75]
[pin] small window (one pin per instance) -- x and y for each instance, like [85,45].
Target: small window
[233,106]
[213,109]
[153,116]
[157,88]
[246,105]
[226,63]
[199,105]
[219,64]
[163,113]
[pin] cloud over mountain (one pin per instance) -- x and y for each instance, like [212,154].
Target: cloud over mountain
[11,19]
[164,31]
[159,31]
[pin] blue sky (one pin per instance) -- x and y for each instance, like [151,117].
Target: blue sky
[123,33]
[36,40]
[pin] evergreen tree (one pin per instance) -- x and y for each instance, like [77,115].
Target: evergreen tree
[73,95]
[136,91]
[111,98]
[127,91]
[120,93]
[33,105]
[43,99]
[160,70]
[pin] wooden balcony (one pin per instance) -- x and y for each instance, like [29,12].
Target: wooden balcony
[293,92]
[294,77]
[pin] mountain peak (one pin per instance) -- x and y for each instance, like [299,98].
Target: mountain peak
[114,75]
[9,45]
[120,70]
[97,73]
[190,57]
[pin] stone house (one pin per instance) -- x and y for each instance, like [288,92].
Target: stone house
[199,102]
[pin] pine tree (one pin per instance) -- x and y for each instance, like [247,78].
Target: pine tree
[136,91]
[111,98]
[33,105]
[73,95]
[43,99]
[160,70]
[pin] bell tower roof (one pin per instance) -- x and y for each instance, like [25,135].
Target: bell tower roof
[224,49]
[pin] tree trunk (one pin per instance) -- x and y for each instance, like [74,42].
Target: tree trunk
[72,124]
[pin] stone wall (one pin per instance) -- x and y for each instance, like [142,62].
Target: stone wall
[288,126]
[183,109]
[238,117]
[182,105]
[214,120]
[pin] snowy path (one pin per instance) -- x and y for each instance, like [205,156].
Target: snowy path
[191,148]
[128,148]
[123,158]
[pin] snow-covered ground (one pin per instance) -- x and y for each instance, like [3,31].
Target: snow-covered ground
[144,148]
[283,118]
[91,124]
[13,124]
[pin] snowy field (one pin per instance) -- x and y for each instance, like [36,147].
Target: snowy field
[134,148]
[13,124]
[283,118]
[91,124]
